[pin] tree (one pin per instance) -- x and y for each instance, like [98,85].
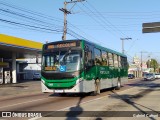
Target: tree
[152,63]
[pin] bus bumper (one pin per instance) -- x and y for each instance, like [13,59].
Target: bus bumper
[82,86]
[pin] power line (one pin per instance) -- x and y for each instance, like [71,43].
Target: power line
[105,20]
[95,19]
[26,18]
[26,25]
[31,17]
[30,12]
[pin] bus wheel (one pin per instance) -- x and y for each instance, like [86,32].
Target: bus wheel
[97,87]
[118,84]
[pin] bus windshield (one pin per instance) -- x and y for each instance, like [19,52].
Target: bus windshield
[62,61]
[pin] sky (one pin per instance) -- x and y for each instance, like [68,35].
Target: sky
[101,21]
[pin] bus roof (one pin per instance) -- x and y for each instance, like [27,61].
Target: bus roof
[91,43]
[105,48]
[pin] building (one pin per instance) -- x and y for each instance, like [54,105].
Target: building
[136,67]
[12,49]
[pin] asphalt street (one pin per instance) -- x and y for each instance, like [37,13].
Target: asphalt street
[137,99]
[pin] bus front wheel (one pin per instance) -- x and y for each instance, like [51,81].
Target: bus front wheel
[118,84]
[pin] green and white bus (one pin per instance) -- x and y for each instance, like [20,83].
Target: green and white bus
[80,66]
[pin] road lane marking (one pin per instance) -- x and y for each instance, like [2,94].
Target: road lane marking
[23,103]
[92,100]
[63,109]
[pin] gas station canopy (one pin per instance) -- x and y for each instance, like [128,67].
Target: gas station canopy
[20,46]
[11,49]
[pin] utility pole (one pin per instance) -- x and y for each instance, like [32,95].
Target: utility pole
[65,11]
[141,64]
[141,60]
[123,43]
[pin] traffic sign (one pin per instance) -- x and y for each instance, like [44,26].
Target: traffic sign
[151,30]
[151,27]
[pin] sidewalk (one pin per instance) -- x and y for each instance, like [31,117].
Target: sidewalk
[28,87]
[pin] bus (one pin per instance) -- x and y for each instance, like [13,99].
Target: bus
[81,66]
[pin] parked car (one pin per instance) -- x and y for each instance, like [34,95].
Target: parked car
[36,76]
[157,75]
[131,76]
[149,76]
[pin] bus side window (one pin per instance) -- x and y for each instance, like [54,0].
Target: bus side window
[110,56]
[97,57]
[119,61]
[107,59]
[88,56]
[123,62]
[104,58]
[116,60]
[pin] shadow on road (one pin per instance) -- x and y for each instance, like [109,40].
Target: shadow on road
[146,84]
[75,111]
[129,99]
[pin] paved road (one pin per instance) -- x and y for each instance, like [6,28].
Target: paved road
[142,101]
[19,89]
[137,95]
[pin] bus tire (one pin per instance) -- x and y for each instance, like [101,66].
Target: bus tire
[97,87]
[118,84]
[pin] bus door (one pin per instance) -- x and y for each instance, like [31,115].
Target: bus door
[89,66]
[97,61]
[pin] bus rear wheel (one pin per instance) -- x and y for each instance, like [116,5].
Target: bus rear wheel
[118,84]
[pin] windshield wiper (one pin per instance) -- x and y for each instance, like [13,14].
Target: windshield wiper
[61,60]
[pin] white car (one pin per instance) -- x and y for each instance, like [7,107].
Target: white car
[149,76]
[36,76]
[157,75]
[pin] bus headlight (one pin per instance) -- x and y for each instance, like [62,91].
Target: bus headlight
[79,80]
[43,81]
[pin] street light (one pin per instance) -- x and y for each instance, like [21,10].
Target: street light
[123,43]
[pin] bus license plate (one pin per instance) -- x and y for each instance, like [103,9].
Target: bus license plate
[58,91]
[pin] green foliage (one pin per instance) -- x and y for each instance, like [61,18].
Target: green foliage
[152,63]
